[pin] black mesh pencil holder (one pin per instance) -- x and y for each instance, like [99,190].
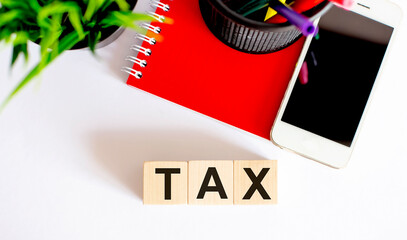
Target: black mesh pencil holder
[248,35]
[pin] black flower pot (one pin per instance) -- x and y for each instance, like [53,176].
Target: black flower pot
[248,35]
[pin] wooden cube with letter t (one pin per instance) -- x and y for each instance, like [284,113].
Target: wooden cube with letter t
[210,182]
[165,182]
[255,182]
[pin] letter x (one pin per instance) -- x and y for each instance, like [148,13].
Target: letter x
[256,185]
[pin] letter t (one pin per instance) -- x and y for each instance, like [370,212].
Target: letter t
[167,179]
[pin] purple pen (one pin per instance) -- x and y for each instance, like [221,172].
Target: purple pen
[300,21]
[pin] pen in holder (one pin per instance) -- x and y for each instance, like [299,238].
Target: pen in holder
[248,35]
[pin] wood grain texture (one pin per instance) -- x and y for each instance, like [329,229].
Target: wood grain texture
[165,182]
[251,172]
[210,182]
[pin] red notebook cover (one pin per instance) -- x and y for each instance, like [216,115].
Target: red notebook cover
[192,68]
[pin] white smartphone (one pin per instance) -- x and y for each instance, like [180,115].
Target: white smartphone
[325,102]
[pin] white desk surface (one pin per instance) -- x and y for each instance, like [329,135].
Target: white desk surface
[73,142]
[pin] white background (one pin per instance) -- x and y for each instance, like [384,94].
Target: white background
[73,142]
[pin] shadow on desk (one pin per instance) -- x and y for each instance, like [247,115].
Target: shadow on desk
[122,153]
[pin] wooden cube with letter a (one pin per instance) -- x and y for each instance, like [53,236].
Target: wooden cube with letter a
[255,182]
[165,182]
[210,182]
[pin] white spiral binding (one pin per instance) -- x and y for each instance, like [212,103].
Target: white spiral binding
[144,38]
[150,27]
[146,51]
[138,48]
[156,16]
[133,72]
[142,63]
[158,4]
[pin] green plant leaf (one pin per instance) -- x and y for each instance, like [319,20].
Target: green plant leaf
[93,39]
[106,4]
[9,16]
[6,33]
[93,6]
[33,35]
[50,19]
[126,19]
[75,19]
[20,38]
[66,43]
[34,72]
[123,5]
[34,5]
[59,8]
[50,34]
[13,4]
[20,46]
[57,25]
[17,50]
[69,41]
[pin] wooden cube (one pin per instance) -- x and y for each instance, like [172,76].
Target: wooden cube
[255,182]
[165,182]
[210,182]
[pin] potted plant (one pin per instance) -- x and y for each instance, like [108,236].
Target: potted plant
[58,25]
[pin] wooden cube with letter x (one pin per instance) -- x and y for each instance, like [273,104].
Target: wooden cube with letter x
[210,182]
[255,182]
[165,182]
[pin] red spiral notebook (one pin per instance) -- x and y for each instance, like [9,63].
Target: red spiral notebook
[194,69]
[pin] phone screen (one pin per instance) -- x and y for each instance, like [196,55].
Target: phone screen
[342,62]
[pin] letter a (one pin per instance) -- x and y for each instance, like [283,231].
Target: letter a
[218,184]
